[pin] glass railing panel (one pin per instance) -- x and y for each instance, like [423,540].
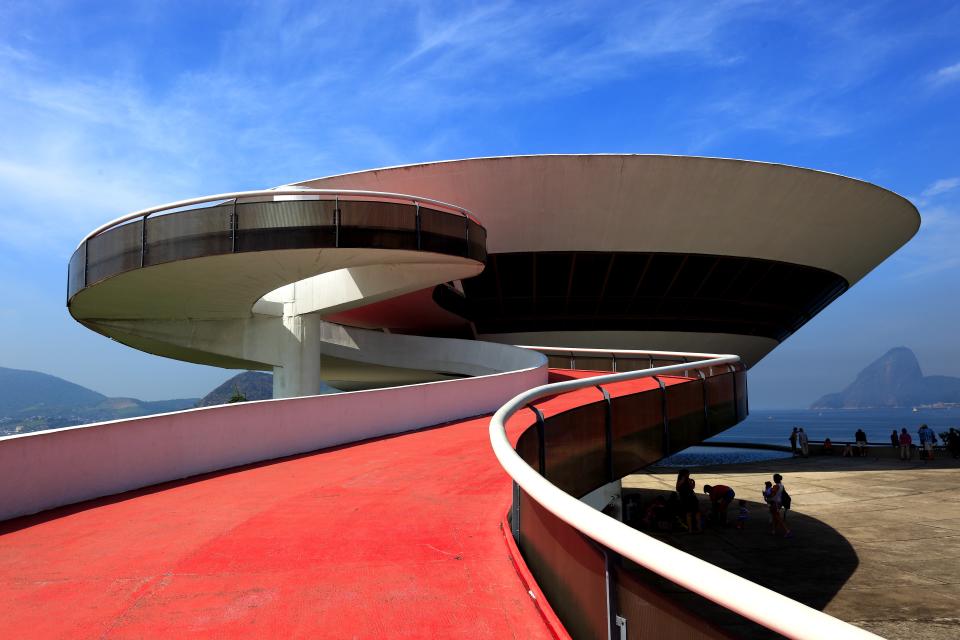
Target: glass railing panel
[188,234]
[477,249]
[380,225]
[528,447]
[594,363]
[570,570]
[442,232]
[285,224]
[76,270]
[687,422]
[575,445]
[743,407]
[636,430]
[114,251]
[632,364]
[650,613]
[720,400]
[558,362]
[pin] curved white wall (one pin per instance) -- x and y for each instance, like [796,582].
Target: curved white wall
[49,469]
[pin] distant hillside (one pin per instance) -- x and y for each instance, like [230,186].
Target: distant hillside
[894,380]
[34,401]
[254,385]
[25,391]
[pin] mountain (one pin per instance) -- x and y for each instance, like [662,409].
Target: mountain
[24,391]
[33,401]
[894,380]
[253,385]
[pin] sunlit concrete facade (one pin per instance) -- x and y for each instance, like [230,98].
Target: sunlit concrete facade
[606,251]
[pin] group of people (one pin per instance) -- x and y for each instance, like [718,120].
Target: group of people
[685,506]
[902,441]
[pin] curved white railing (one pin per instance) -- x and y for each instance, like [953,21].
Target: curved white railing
[332,193]
[763,606]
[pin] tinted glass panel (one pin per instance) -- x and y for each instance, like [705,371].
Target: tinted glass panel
[686,417]
[188,234]
[575,444]
[114,251]
[637,432]
[285,224]
[76,270]
[382,225]
[569,569]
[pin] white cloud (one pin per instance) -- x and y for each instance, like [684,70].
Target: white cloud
[945,75]
[941,186]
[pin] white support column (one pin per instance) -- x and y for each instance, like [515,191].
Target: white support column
[299,373]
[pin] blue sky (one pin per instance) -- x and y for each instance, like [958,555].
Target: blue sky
[108,108]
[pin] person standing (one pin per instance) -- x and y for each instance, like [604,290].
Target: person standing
[925,435]
[793,442]
[894,440]
[777,492]
[905,442]
[689,504]
[861,439]
[804,443]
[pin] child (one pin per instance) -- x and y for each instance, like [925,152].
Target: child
[743,515]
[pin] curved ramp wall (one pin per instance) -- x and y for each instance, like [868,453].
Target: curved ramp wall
[49,469]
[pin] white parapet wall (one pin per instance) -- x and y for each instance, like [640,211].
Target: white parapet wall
[48,469]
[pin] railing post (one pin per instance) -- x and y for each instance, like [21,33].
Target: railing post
[611,594]
[541,442]
[419,243]
[706,404]
[86,260]
[736,403]
[143,239]
[233,227]
[666,418]
[515,516]
[466,236]
[336,221]
[608,434]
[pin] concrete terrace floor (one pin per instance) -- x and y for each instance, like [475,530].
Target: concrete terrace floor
[876,542]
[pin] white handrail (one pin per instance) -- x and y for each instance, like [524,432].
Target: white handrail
[626,352]
[349,193]
[764,606]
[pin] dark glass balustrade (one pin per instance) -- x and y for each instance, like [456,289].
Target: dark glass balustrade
[267,225]
[584,448]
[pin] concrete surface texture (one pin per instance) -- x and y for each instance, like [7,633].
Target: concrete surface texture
[876,541]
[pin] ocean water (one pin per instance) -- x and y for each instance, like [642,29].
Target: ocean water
[774,427]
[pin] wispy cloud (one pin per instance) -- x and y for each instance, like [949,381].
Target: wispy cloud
[945,75]
[934,248]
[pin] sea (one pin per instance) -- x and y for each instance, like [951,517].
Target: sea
[768,426]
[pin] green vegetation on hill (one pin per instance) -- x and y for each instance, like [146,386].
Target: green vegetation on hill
[249,385]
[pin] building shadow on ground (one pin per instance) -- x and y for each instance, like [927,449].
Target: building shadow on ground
[811,567]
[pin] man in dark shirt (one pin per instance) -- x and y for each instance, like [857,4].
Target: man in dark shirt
[720,498]
[861,439]
[793,442]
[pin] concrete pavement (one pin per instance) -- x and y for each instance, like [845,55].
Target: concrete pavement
[876,541]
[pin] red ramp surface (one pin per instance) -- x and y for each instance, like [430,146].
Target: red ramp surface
[397,537]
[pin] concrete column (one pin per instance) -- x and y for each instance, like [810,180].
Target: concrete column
[299,374]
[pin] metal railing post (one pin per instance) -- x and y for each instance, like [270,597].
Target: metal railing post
[143,240]
[515,516]
[608,434]
[233,227]
[666,418]
[417,223]
[336,222]
[541,441]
